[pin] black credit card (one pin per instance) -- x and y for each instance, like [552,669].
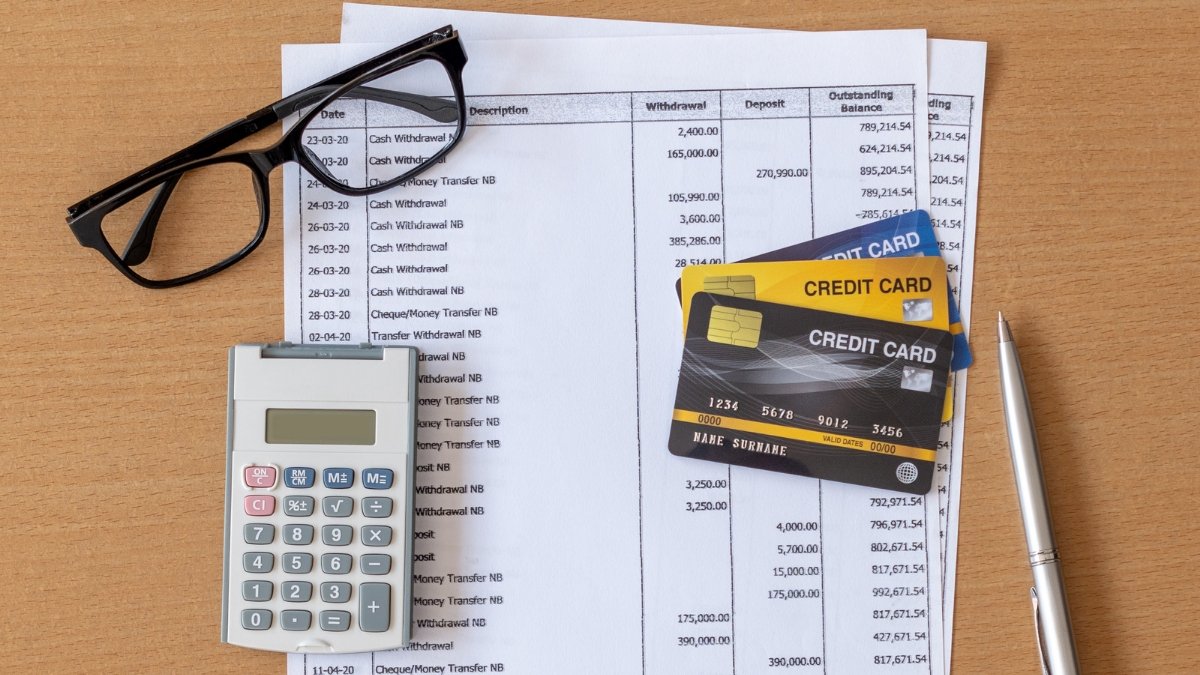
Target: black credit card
[813,393]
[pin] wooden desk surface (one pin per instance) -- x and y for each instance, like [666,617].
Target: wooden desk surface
[1088,239]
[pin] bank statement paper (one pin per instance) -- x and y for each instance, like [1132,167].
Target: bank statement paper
[557,534]
[956,82]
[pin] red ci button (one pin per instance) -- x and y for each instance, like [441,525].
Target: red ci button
[259,505]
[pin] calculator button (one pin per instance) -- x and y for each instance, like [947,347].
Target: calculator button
[298,535]
[335,620]
[376,563]
[298,507]
[374,607]
[376,535]
[377,479]
[336,563]
[377,507]
[336,535]
[297,563]
[259,476]
[256,619]
[295,591]
[257,591]
[258,562]
[295,619]
[258,533]
[260,505]
[338,479]
[335,591]
[337,507]
[299,477]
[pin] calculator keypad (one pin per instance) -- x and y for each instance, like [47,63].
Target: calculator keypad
[311,562]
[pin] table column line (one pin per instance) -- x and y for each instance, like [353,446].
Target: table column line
[820,512]
[812,234]
[728,469]
[300,194]
[367,214]
[637,385]
[913,135]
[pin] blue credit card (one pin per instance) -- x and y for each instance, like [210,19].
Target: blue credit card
[908,234]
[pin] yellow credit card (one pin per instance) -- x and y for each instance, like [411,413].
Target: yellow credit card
[904,290]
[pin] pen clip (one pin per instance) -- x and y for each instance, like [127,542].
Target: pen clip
[1037,630]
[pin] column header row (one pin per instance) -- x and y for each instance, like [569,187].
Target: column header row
[655,106]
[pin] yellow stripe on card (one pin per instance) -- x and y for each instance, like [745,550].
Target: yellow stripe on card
[808,436]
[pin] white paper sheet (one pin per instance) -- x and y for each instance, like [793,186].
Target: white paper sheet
[956,76]
[956,79]
[586,516]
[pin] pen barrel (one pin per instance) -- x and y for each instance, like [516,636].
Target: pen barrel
[1027,465]
[1056,641]
[1052,617]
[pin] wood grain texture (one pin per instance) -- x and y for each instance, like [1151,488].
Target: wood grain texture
[113,396]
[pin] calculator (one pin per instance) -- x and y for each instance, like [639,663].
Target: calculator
[318,497]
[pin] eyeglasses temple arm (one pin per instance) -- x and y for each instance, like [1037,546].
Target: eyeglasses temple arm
[205,147]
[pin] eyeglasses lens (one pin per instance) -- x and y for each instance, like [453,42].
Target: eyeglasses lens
[411,114]
[222,197]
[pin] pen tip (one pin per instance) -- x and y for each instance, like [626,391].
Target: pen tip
[1002,326]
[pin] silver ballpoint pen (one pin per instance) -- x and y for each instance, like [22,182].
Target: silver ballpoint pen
[1051,619]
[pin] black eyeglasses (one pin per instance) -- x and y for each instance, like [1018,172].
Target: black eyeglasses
[140,223]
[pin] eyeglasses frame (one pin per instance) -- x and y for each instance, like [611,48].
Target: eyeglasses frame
[85,217]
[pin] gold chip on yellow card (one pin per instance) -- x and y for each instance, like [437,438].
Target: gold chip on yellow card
[741,286]
[731,326]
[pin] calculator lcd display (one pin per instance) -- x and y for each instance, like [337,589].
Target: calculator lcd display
[306,426]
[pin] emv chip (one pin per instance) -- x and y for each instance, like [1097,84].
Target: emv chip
[732,326]
[738,286]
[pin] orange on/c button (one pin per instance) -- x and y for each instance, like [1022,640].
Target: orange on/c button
[259,476]
[259,505]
